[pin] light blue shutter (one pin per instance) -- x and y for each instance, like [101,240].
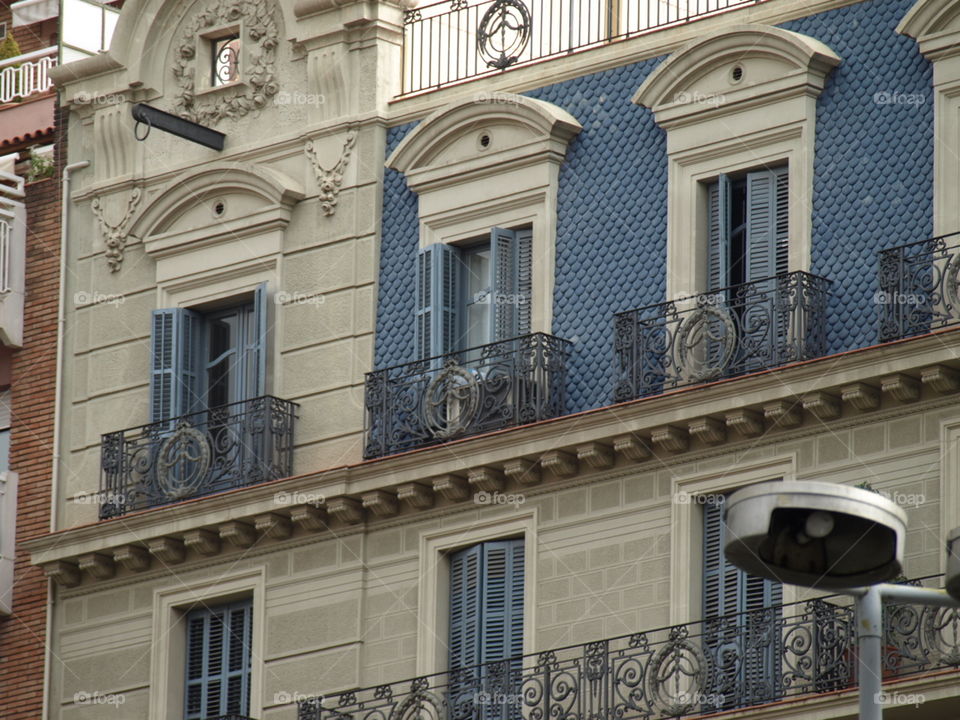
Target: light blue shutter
[722,582]
[438,300]
[502,632]
[782,222]
[524,280]
[175,358]
[218,661]
[764,239]
[718,233]
[465,607]
[504,266]
[258,351]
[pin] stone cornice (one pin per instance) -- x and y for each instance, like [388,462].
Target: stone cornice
[616,440]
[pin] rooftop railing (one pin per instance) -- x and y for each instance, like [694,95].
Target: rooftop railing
[26,75]
[773,654]
[456,40]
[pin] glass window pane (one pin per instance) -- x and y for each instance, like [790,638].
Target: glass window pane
[82,25]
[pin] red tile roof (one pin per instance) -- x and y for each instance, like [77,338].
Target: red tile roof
[30,120]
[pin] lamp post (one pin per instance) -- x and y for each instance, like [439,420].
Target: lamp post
[834,537]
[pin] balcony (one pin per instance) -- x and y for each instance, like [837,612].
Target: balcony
[455,40]
[206,452]
[13,238]
[464,393]
[736,330]
[781,653]
[26,75]
[918,287]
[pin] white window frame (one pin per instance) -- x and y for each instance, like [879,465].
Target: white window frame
[935,25]
[717,124]
[433,606]
[169,651]
[467,186]
[686,526]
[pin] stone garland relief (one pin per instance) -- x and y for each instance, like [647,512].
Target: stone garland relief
[330,179]
[258,82]
[115,233]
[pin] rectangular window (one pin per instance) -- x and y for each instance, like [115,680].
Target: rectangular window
[225,52]
[747,228]
[471,295]
[486,603]
[217,681]
[727,591]
[201,361]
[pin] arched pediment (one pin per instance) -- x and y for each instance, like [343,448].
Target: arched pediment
[701,75]
[460,140]
[935,24]
[220,201]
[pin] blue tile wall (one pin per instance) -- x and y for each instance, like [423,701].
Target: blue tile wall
[872,189]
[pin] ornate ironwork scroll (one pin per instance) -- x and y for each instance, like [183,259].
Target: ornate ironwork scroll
[735,330]
[198,454]
[504,33]
[486,388]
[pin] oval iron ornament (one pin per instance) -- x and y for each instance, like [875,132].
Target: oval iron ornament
[503,33]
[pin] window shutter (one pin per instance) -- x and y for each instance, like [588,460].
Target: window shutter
[465,607]
[502,634]
[438,300]
[524,280]
[175,358]
[505,268]
[718,233]
[782,222]
[258,349]
[218,661]
[762,226]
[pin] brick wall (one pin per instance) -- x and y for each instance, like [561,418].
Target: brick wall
[31,451]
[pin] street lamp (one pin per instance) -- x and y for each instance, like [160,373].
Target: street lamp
[835,537]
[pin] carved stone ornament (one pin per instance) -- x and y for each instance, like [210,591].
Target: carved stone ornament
[330,179]
[258,83]
[115,233]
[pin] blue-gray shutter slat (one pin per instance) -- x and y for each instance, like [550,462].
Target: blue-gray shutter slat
[438,300]
[175,358]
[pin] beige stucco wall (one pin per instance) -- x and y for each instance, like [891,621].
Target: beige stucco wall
[342,612]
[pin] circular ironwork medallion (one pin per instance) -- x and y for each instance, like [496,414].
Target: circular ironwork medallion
[705,343]
[503,33]
[451,401]
[183,462]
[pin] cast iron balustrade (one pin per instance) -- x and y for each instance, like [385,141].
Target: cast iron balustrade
[728,332]
[919,287]
[735,661]
[486,388]
[205,452]
[455,40]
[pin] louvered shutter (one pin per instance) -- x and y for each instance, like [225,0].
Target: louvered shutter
[762,225]
[718,233]
[524,280]
[502,632]
[723,582]
[175,359]
[782,219]
[465,607]
[505,285]
[218,661]
[438,300]
[258,350]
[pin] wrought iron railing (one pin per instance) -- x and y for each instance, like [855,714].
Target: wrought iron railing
[463,393]
[198,454]
[728,332]
[919,287]
[455,40]
[780,653]
[26,74]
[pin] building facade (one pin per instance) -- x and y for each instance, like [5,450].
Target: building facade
[421,397]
